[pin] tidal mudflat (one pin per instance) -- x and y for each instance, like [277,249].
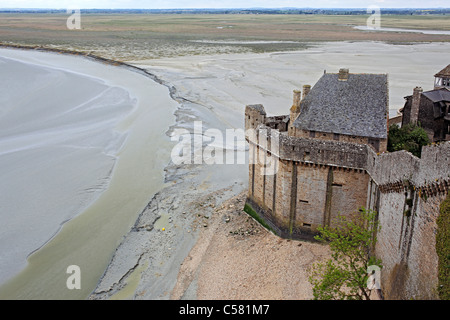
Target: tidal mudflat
[83,147]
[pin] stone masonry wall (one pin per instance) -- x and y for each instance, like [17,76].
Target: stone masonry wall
[314,181]
[406,245]
[317,179]
[411,192]
[382,143]
[324,152]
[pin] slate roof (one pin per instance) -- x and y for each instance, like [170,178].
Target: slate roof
[356,107]
[438,95]
[258,107]
[444,72]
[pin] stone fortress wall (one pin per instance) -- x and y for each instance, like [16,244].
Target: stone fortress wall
[410,191]
[315,180]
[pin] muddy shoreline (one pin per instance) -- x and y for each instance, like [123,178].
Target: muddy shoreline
[147,262]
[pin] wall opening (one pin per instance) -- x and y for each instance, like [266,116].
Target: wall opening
[306,156]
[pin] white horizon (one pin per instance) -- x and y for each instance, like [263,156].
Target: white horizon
[225,4]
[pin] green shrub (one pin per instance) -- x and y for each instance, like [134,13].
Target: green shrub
[345,275]
[411,138]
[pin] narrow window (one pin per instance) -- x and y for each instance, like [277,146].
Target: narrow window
[375,143]
[336,136]
[312,134]
[306,156]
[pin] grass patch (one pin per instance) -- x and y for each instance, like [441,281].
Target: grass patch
[251,212]
[443,249]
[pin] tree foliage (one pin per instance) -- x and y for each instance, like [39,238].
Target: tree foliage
[345,276]
[410,137]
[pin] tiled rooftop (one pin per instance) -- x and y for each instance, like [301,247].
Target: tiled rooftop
[357,106]
[438,95]
[444,72]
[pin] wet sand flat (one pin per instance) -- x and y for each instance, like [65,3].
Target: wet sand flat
[79,169]
[235,80]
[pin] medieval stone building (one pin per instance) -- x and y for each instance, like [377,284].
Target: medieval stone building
[328,158]
[431,109]
[351,108]
[321,161]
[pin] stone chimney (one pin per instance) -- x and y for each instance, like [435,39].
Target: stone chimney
[295,111]
[297,99]
[306,89]
[415,105]
[343,74]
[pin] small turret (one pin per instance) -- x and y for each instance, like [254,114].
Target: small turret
[254,116]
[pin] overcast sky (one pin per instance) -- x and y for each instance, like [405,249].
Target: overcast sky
[165,4]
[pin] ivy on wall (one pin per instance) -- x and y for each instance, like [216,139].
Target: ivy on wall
[443,249]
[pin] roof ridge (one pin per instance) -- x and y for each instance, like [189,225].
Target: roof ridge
[362,73]
[444,72]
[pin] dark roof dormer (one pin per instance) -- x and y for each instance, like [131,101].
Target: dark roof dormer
[442,78]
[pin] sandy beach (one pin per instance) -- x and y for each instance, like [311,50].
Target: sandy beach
[158,230]
[235,258]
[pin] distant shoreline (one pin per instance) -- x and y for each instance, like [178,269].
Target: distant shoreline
[97,58]
[286,10]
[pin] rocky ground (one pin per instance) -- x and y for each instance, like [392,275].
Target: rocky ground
[207,248]
[235,258]
[146,264]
